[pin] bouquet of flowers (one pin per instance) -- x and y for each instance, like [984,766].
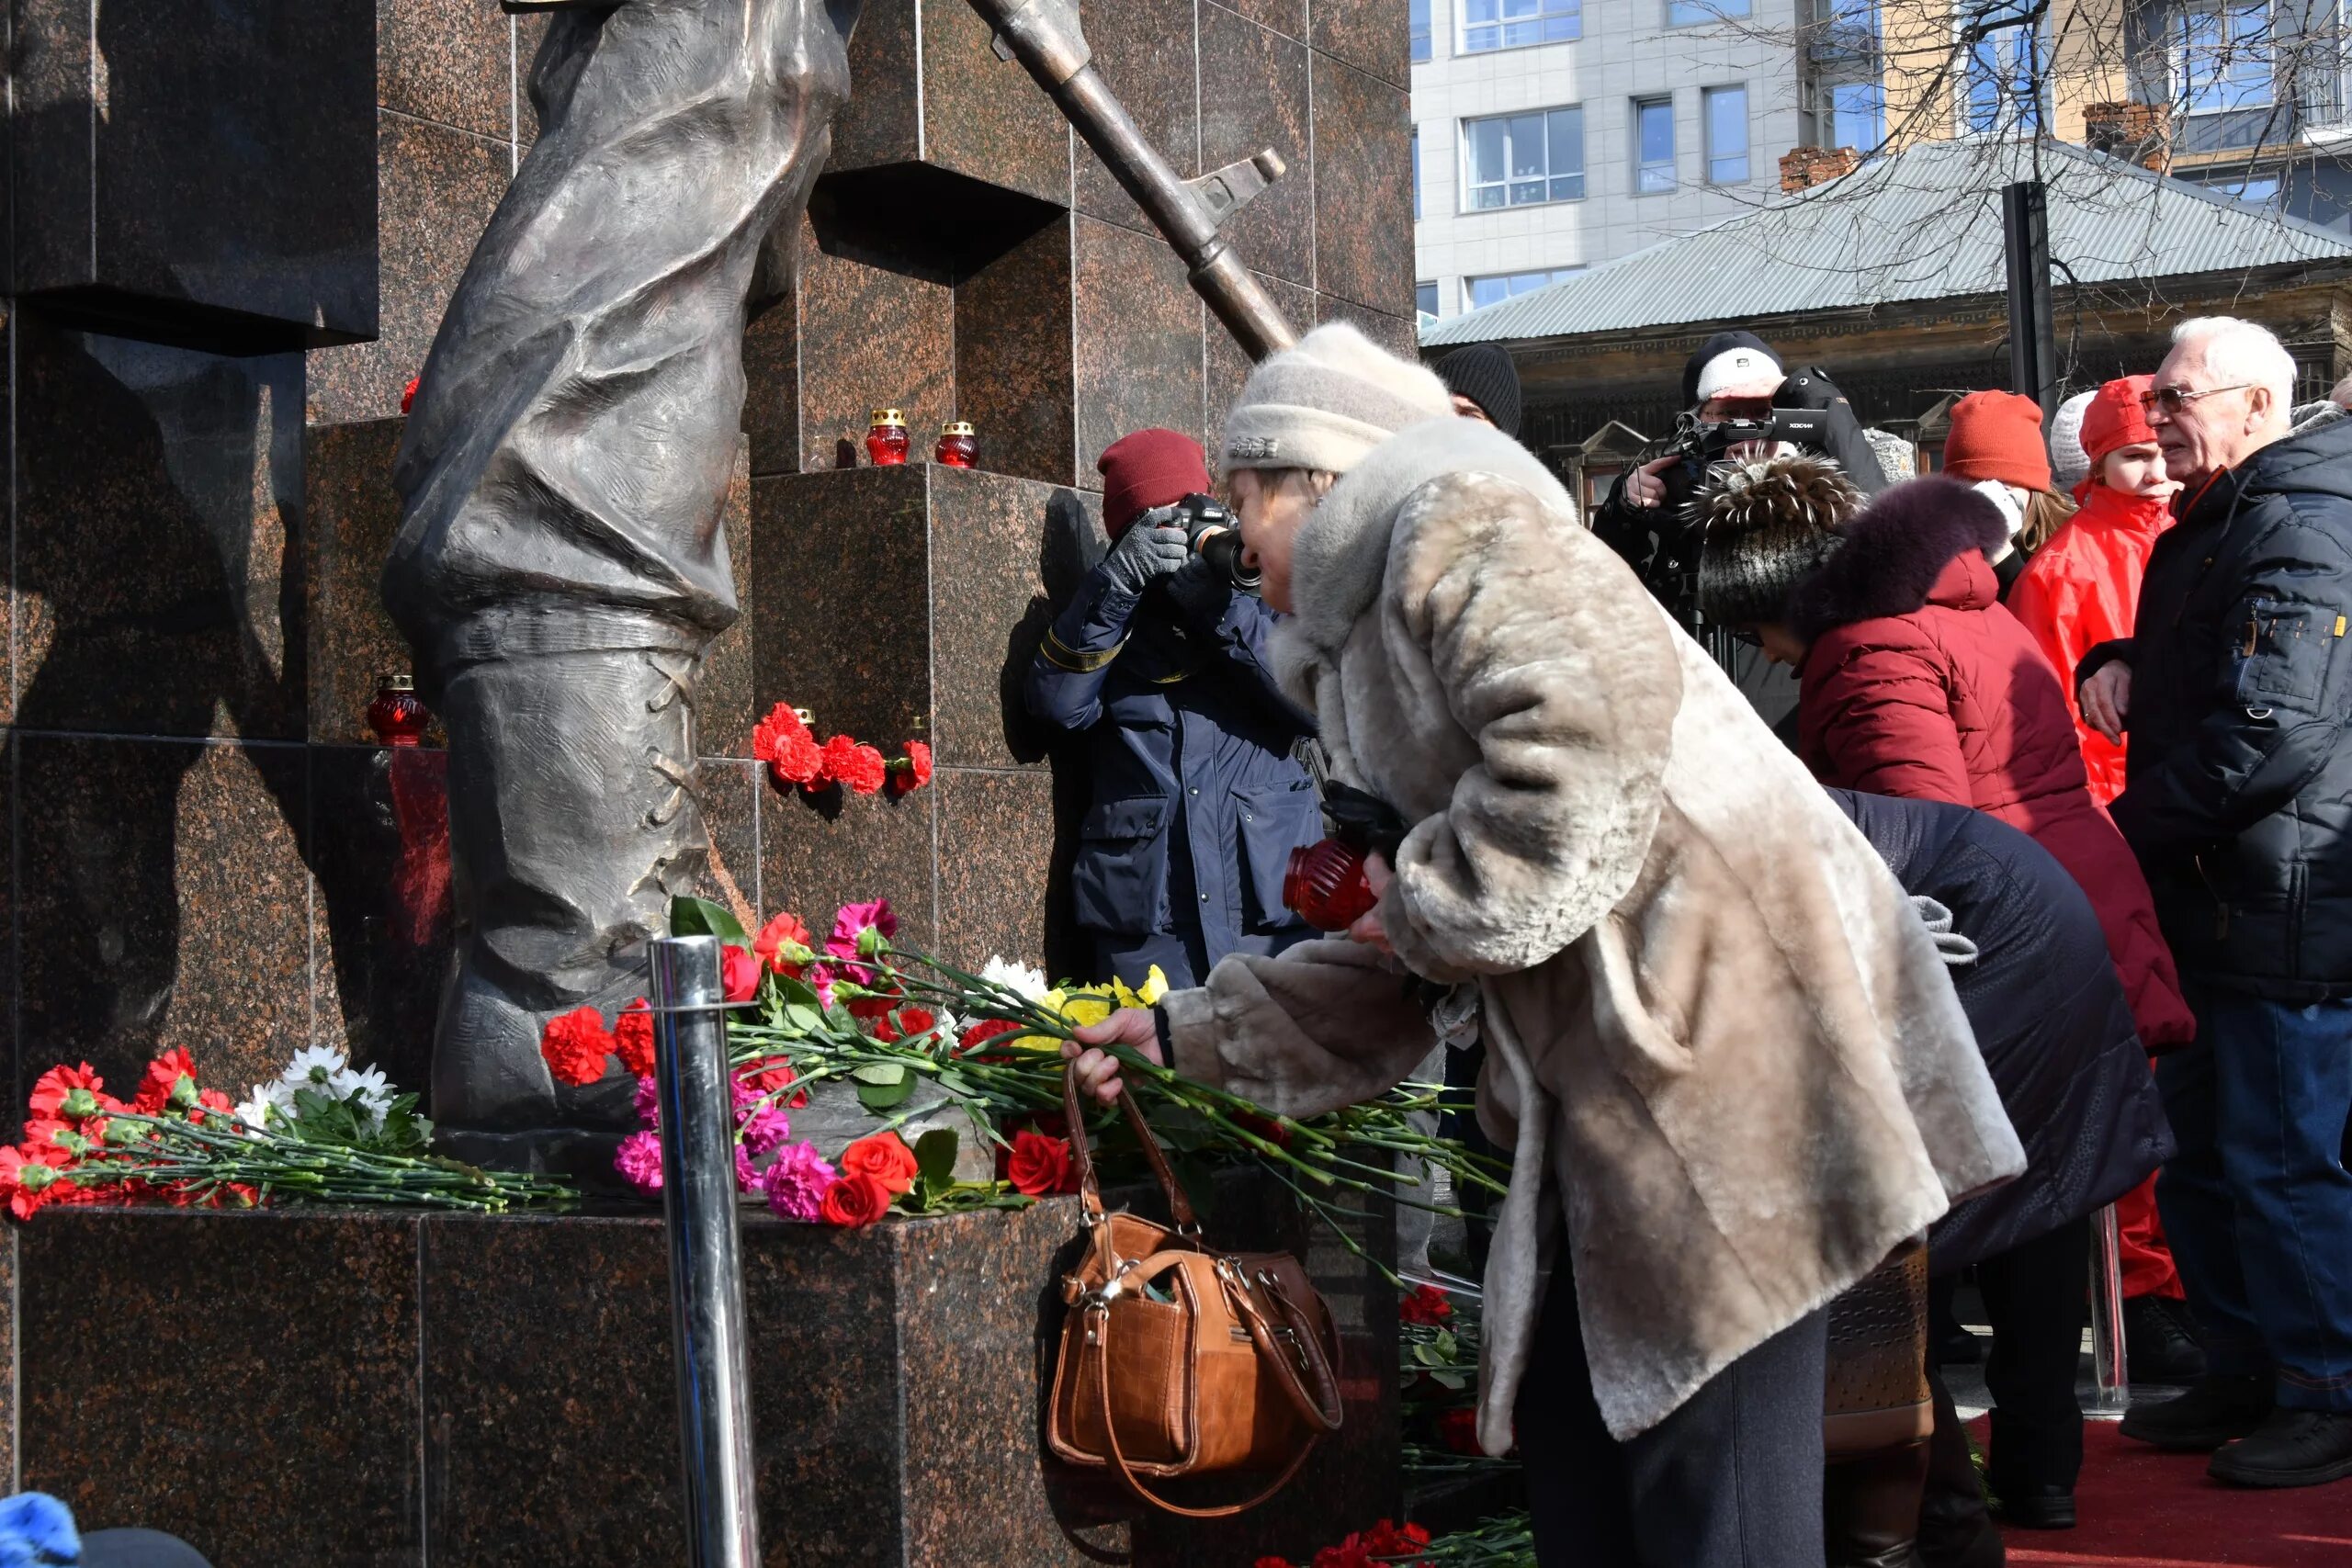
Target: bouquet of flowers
[912,1036]
[321,1132]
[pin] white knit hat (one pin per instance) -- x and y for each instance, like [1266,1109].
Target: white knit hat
[2069,464]
[1326,403]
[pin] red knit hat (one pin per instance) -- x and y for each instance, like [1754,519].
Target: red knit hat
[2115,418]
[1148,468]
[1997,435]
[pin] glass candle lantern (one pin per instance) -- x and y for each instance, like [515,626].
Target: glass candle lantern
[398,716]
[957,445]
[885,437]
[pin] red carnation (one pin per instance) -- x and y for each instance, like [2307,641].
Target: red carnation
[1040,1166]
[786,945]
[781,741]
[28,1174]
[986,1029]
[883,1156]
[739,973]
[854,764]
[408,393]
[51,1090]
[1458,1430]
[1385,1540]
[903,1024]
[575,1045]
[854,1201]
[1426,1306]
[164,1075]
[633,1039]
[912,771]
[212,1103]
[769,1079]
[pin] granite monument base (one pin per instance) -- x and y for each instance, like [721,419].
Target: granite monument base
[348,1390]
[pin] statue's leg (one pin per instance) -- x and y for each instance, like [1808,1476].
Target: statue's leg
[562,563]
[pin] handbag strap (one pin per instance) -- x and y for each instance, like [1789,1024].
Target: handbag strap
[1089,1191]
[1102,1340]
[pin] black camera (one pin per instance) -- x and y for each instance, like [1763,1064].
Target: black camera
[1214,534]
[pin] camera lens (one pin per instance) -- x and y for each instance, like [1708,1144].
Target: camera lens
[1222,550]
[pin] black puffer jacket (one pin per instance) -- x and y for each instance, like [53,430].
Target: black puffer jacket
[2049,1015]
[2238,789]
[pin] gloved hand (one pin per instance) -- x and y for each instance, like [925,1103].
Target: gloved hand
[1201,593]
[1144,555]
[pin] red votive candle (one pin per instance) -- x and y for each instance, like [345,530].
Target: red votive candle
[1324,885]
[885,437]
[957,445]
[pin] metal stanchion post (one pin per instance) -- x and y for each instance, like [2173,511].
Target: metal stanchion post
[698,1106]
[2109,1371]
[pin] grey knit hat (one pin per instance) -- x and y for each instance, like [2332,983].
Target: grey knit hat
[1325,402]
[1767,525]
[2069,464]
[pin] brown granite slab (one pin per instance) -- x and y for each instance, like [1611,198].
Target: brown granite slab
[1229,367]
[1144,50]
[1285,16]
[724,712]
[996,841]
[729,792]
[1397,335]
[871,335]
[167,904]
[251,1383]
[1253,95]
[350,516]
[984,116]
[772,379]
[1140,338]
[881,123]
[989,608]
[1374,36]
[1364,196]
[819,851]
[448,60]
[437,189]
[1014,373]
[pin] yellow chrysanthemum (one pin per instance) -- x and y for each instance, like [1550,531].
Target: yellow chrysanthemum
[1155,986]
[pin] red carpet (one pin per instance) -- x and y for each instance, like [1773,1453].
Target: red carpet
[2144,1509]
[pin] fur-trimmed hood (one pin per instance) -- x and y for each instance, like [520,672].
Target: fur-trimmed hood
[1894,552]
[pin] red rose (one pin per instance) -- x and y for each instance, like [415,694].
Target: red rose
[786,945]
[164,1075]
[1426,1306]
[784,743]
[912,771]
[1458,1430]
[883,1156]
[575,1045]
[633,1039]
[1039,1165]
[854,1201]
[739,973]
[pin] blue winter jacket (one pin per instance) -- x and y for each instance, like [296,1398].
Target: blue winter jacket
[1196,799]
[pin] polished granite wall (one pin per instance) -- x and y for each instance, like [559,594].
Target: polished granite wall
[206,344]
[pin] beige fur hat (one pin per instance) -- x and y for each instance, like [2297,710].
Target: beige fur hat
[1326,401]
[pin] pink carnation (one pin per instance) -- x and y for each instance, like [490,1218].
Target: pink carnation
[649,1103]
[851,937]
[639,1160]
[796,1181]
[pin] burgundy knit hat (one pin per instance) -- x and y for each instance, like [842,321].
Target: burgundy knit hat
[1148,468]
[1997,435]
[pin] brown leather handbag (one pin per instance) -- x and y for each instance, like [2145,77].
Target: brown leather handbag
[1178,1359]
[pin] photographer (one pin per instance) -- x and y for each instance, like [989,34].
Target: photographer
[1195,800]
[1733,388]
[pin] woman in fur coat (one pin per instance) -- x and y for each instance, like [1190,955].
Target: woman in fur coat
[1721,1048]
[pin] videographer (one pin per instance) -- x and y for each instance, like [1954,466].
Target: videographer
[1195,799]
[1736,399]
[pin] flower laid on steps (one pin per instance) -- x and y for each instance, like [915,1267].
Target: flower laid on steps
[785,742]
[1383,1543]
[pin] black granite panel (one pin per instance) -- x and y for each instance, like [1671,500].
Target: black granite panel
[350,514]
[1229,367]
[1253,95]
[1374,36]
[165,904]
[448,60]
[873,334]
[723,711]
[1396,333]
[1013,367]
[984,116]
[158,576]
[1144,52]
[990,537]
[439,187]
[381,857]
[249,1382]
[819,851]
[1363,194]
[1139,343]
[996,841]
[206,181]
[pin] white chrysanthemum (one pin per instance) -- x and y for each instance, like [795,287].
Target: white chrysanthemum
[254,1111]
[314,1067]
[369,1088]
[1028,982]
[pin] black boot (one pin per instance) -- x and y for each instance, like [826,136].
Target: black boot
[2294,1448]
[2035,1508]
[2159,1346]
[2215,1410]
[1870,1507]
[1956,1530]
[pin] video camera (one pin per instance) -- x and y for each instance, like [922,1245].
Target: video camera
[1214,534]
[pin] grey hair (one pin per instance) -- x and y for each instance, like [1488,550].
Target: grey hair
[2235,349]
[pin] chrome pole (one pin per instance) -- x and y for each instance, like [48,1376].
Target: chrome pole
[2109,1368]
[691,1082]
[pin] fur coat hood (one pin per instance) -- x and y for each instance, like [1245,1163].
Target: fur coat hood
[1721,1048]
[1907,548]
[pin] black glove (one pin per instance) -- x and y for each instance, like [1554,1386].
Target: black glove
[1143,556]
[1201,594]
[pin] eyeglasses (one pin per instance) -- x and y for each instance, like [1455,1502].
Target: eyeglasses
[2173,400]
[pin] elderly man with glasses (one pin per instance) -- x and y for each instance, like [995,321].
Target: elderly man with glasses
[2236,688]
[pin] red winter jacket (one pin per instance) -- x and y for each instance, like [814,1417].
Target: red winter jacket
[1917,682]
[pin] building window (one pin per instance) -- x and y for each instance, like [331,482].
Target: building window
[1515,23]
[1420,26]
[1854,114]
[2260,190]
[1727,136]
[1416,171]
[1691,13]
[2006,75]
[1481,292]
[1652,145]
[1517,160]
[2220,57]
[1425,302]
